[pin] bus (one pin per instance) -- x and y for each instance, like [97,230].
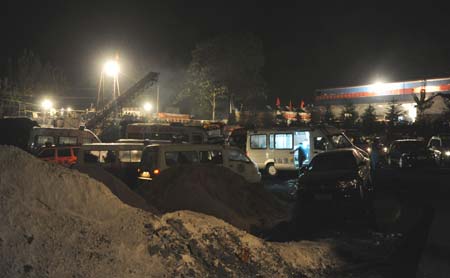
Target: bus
[171,132]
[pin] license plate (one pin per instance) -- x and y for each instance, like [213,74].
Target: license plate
[323,197]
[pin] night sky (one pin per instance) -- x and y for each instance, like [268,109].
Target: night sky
[306,47]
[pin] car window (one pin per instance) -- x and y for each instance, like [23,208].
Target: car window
[130,156]
[236,155]
[64,152]
[271,141]
[47,153]
[258,141]
[435,143]
[340,141]
[213,157]
[183,157]
[149,158]
[96,156]
[408,146]
[320,143]
[66,140]
[283,141]
[334,161]
[42,139]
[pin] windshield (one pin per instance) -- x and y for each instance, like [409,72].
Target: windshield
[339,141]
[408,146]
[334,161]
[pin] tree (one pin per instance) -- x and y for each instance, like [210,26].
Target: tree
[27,79]
[368,119]
[328,117]
[422,104]
[226,66]
[393,113]
[349,114]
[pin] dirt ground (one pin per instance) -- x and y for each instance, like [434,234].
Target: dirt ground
[58,222]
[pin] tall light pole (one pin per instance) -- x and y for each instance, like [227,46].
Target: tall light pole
[111,69]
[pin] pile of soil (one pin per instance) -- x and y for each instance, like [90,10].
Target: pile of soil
[57,222]
[117,187]
[216,191]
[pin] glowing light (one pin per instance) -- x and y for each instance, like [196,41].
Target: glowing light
[69,109]
[47,104]
[378,87]
[111,68]
[147,106]
[156,171]
[411,111]
[447,153]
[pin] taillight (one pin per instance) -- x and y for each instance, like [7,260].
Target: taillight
[156,171]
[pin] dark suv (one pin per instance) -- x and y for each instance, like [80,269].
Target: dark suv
[336,176]
[439,149]
[407,153]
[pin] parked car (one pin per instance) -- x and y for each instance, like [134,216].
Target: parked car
[64,155]
[157,158]
[336,176]
[439,149]
[407,153]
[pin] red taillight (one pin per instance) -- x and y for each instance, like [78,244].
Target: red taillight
[156,171]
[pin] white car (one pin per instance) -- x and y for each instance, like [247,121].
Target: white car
[157,158]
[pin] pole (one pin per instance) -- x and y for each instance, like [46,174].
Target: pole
[157,100]
[214,107]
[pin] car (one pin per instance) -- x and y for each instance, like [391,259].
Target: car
[157,158]
[341,175]
[439,149]
[64,155]
[407,153]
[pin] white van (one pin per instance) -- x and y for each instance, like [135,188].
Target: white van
[157,158]
[120,159]
[276,149]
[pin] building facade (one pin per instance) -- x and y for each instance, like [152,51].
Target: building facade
[379,95]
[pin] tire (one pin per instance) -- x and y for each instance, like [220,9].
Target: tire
[271,170]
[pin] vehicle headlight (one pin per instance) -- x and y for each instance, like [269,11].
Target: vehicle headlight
[145,174]
[447,153]
[385,149]
[369,149]
[348,183]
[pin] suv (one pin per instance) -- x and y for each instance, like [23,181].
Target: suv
[64,155]
[439,148]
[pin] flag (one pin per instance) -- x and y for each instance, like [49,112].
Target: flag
[278,102]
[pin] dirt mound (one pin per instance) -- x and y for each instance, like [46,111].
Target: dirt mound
[117,187]
[57,222]
[216,191]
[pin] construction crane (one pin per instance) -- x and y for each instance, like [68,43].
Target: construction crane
[100,116]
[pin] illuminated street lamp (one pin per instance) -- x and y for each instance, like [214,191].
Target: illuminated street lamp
[147,107]
[46,104]
[69,109]
[111,68]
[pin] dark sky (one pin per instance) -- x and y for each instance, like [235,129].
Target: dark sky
[306,46]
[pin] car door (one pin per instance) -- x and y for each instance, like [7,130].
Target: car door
[48,155]
[239,163]
[64,156]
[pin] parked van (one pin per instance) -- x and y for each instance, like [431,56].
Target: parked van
[157,158]
[120,159]
[277,149]
[64,155]
[181,133]
[42,136]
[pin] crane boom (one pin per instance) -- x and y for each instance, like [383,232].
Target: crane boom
[148,80]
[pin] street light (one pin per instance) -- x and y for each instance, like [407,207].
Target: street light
[47,104]
[147,107]
[111,68]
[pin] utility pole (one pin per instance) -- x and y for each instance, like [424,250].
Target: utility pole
[157,100]
[214,107]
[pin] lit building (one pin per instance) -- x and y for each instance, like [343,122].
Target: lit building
[380,94]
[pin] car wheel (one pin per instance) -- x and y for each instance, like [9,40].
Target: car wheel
[271,170]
